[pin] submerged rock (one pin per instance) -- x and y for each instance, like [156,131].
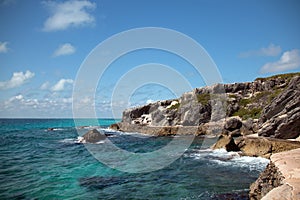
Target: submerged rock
[93,136]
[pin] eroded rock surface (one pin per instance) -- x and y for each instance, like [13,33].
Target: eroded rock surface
[281,118]
[280,180]
[267,106]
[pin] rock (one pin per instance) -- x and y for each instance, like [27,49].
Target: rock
[264,147]
[233,123]
[281,119]
[281,178]
[226,142]
[93,136]
[248,127]
[114,127]
[270,178]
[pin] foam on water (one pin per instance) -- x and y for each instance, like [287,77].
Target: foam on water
[232,159]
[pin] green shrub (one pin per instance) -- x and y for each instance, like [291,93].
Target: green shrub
[203,98]
[232,96]
[248,113]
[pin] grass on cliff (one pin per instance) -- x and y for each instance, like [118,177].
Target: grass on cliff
[203,98]
[288,76]
[245,113]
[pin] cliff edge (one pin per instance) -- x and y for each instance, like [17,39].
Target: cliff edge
[281,178]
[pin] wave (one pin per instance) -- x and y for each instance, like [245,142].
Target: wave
[233,159]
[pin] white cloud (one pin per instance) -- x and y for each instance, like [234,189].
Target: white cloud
[60,85]
[3,47]
[18,79]
[271,50]
[45,86]
[64,49]
[289,60]
[22,106]
[67,14]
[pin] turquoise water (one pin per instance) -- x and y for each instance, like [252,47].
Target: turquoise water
[40,164]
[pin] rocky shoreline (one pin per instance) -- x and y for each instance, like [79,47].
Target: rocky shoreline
[259,118]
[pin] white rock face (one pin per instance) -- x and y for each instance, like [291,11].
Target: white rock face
[174,103]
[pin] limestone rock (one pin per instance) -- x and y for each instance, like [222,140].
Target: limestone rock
[270,178]
[93,136]
[281,178]
[264,147]
[227,143]
[276,99]
[233,123]
[281,119]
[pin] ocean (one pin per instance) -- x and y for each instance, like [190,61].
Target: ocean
[39,163]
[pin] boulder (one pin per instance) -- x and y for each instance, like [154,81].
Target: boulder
[226,142]
[93,136]
[233,123]
[114,127]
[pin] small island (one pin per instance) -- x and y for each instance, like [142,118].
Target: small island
[259,118]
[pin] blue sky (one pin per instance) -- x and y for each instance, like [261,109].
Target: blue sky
[44,43]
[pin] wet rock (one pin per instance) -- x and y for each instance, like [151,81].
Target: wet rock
[93,136]
[226,142]
[114,127]
[264,147]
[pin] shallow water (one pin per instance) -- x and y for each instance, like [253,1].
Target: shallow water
[41,164]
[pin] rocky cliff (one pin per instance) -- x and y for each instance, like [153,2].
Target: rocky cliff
[267,106]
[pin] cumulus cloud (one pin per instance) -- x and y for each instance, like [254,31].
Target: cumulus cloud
[271,50]
[60,85]
[3,47]
[73,13]
[17,79]
[64,49]
[289,60]
[24,106]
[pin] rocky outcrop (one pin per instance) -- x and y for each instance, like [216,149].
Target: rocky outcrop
[280,180]
[255,146]
[269,106]
[270,178]
[93,136]
[281,118]
[264,147]
[226,142]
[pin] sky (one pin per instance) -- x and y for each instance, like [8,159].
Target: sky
[44,44]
